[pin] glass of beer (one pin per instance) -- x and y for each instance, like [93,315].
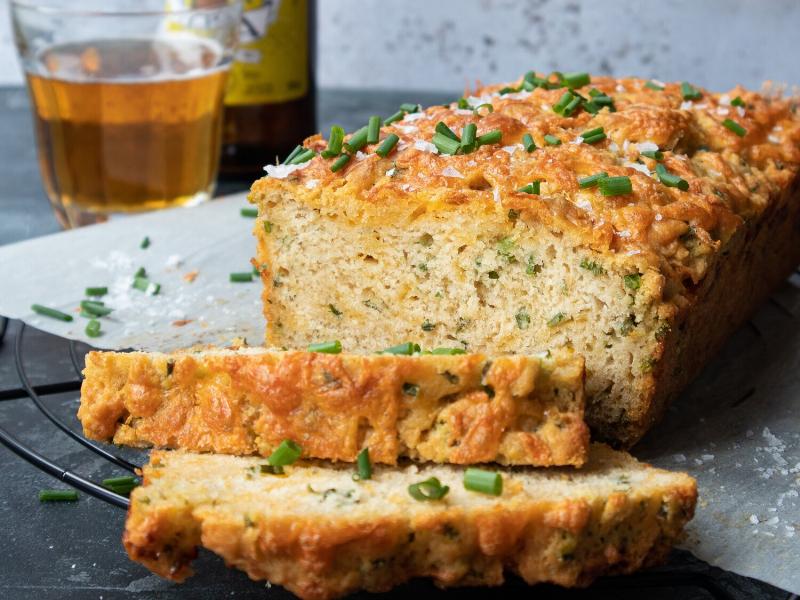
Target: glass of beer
[127,100]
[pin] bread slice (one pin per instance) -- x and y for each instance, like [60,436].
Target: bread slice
[322,535]
[454,249]
[460,408]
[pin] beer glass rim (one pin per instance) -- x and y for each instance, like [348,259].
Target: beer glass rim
[50,7]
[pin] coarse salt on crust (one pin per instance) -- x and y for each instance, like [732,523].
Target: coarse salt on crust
[283,171]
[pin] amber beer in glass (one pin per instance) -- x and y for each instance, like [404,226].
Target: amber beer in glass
[127,101]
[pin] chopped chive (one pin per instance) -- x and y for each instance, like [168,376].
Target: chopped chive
[302,157]
[297,150]
[462,103]
[285,454]
[387,145]
[552,140]
[332,347]
[93,328]
[448,351]
[373,129]
[591,180]
[654,154]
[96,308]
[410,108]
[563,102]
[357,141]
[576,80]
[651,85]
[406,349]
[250,212]
[737,102]
[364,465]
[477,110]
[615,186]
[490,137]
[96,291]
[734,127]
[592,136]
[242,277]
[140,272]
[123,480]
[271,470]
[335,140]
[50,312]
[121,485]
[468,137]
[600,98]
[267,227]
[394,118]
[445,144]
[556,319]
[507,90]
[669,179]
[446,131]
[528,143]
[592,132]
[340,162]
[145,243]
[532,188]
[633,281]
[689,92]
[430,489]
[58,496]
[485,482]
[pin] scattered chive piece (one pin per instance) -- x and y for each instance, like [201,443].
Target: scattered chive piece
[600,98]
[394,118]
[552,140]
[445,144]
[332,347]
[50,312]
[591,180]
[340,162]
[140,272]
[528,143]
[737,101]
[145,285]
[485,482]
[409,108]
[267,227]
[270,470]
[373,129]
[556,319]
[507,90]
[250,212]
[592,136]
[633,281]
[576,80]
[430,489]
[121,485]
[285,454]
[297,150]
[654,154]
[735,127]
[357,141]
[58,496]
[615,186]
[406,349]
[96,308]
[364,465]
[93,328]
[304,155]
[145,243]
[387,145]
[242,277]
[562,103]
[651,85]
[446,131]
[490,137]
[96,291]
[123,480]
[468,137]
[689,92]
[669,179]
[532,188]
[335,141]
[477,110]
[448,351]
[462,103]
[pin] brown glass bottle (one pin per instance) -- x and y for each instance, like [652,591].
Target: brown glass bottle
[270,105]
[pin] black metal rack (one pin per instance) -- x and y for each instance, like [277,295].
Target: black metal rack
[683,577]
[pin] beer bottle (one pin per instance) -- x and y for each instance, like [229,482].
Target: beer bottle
[270,100]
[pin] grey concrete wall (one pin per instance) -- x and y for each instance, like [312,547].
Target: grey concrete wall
[447,44]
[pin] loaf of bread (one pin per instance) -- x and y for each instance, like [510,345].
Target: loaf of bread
[463,408]
[321,534]
[635,223]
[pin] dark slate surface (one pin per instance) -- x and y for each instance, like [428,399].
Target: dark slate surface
[73,550]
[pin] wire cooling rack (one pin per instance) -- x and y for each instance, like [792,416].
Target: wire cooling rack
[683,577]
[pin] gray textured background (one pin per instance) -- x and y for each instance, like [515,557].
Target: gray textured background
[447,44]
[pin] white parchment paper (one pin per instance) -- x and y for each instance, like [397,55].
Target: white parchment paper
[736,429]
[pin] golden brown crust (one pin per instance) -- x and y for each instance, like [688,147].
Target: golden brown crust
[462,409]
[597,521]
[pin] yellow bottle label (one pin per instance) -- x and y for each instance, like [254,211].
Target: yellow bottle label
[272,60]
